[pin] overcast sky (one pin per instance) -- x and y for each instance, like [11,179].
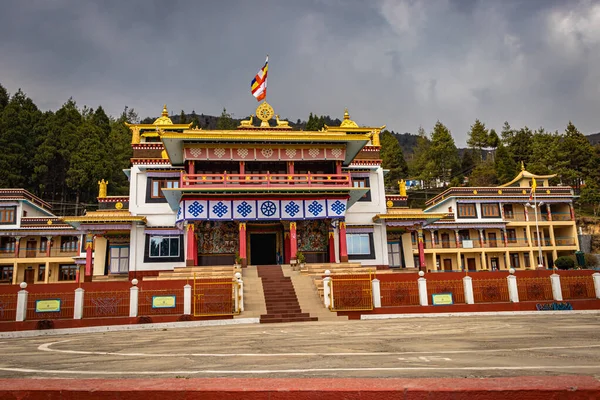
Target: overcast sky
[401,63]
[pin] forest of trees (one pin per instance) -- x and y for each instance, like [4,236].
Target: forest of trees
[61,155]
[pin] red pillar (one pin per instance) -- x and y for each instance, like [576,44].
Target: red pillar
[290,165]
[421,249]
[48,245]
[242,251]
[89,244]
[343,244]
[338,167]
[191,258]
[286,247]
[17,246]
[331,247]
[293,241]
[242,167]
[191,167]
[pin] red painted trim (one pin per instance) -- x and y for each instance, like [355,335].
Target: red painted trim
[569,387]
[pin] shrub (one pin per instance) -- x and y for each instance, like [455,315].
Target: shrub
[564,263]
[44,324]
[144,320]
[185,317]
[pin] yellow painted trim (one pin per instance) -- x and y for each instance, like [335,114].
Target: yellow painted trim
[264,135]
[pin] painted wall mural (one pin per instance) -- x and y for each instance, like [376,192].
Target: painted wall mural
[312,235]
[217,237]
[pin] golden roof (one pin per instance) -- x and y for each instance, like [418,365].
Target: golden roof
[347,122]
[164,118]
[408,214]
[524,174]
[106,216]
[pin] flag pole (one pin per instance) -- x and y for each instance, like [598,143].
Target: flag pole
[266,81]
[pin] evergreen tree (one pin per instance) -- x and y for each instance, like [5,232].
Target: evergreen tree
[505,165]
[520,145]
[478,139]
[182,118]
[225,122]
[467,164]
[484,174]
[313,123]
[101,120]
[194,120]
[4,98]
[393,159]
[506,134]
[577,154]
[545,153]
[422,166]
[443,153]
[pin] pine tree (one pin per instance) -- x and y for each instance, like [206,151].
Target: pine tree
[225,122]
[467,164]
[577,154]
[506,134]
[478,139]
[182,118]
[4,98]
[443,153]
[484,174]
[194,120]
[392,158]
[421,166]
[312,124]
[520,145]
[505,165]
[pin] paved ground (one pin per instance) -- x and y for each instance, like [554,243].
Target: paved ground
[416,347]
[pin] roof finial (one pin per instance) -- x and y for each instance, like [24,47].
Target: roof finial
[165,113]
[522,166]
[346,115]
[102,188]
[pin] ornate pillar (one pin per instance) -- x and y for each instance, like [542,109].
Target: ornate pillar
[338,167]
[549,212]
[191,167]
[421,249]
[432,239]
[505,237]
[191,259]
[501,210]
[331,245]
[17,246]
[290,167]
[293,241]
[89,244]
[343,243]
[242,167]
[572,211]
[48,245]
[457,238]
[481,238]
[525,208]
[242,250]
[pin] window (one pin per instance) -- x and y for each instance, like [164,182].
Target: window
[395,254]
[360,246]
[163,248]
[526,261]
[511,236]
[467,211]
[43,245]
[159,184]
[67,272]
[68,243]
[464,234]
[508,211]
[490,210]
[7,245]
[362,183]
[8,215]
[6,273]
[119,259]
[41,273]
[514,260]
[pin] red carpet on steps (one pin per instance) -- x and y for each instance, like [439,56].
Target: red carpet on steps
[280,297]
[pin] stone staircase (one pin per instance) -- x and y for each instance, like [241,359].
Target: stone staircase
[280,297]
[254,299]
[187,273]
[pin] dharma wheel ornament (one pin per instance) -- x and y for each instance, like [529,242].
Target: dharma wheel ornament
[264,112]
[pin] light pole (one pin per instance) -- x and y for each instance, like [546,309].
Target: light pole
[535,207]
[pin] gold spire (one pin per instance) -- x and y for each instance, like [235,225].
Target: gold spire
[522,166]
[164,118]
[347,122]
[402,187]
[102,188]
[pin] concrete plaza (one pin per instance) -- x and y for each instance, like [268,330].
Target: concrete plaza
[476,346]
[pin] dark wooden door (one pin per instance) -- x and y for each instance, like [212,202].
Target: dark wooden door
[471,264]
[31,249]
[447,264]
[445,241]
[492,239]
[29,276]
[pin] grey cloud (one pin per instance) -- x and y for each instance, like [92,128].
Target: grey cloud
[400,63]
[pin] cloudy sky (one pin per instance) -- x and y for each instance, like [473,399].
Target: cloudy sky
[401,63]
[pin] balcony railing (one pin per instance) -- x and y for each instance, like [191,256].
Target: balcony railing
[561,216]
[497,243]
[38,252]
[265,180]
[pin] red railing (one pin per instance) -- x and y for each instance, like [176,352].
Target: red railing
[8,307]
[60,305]
[106,304]
[395,293]
[455,287]
[150,302]
[490,290]
[534,289]
[269,180]
[577,287]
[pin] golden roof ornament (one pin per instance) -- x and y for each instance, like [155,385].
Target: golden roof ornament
[164,118]
[522,166]
[402,187]
[102,188]
[347,122]
[264,112]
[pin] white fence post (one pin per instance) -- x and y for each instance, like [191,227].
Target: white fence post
[376,292]
[327,290]
[22,302]
[240,292]
[468,287]
[133,298]
[556,289]
[513,291]
[78,307]
[187,299]
[596,278]
[423,289]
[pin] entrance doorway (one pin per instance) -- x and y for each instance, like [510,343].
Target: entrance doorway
[263,248]
[447,264]
[495,263]
[29,275]
[471,264]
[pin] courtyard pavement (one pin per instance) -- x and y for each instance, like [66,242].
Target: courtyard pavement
[475,346]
